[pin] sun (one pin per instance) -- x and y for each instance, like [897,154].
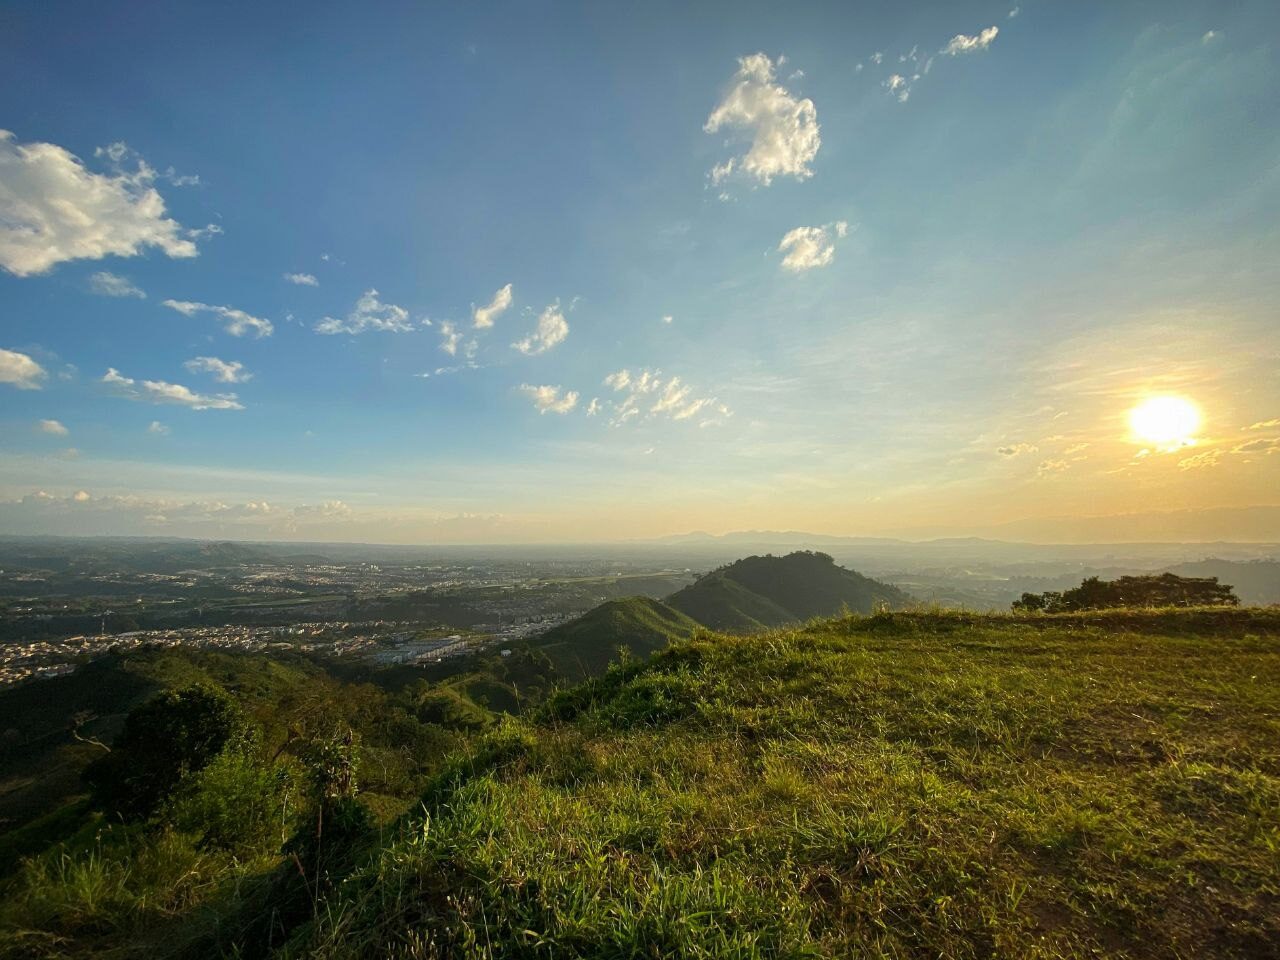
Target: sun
[1166,423]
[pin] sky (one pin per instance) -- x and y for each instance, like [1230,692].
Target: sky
[519,272]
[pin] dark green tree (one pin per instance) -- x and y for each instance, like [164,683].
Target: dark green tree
[170,736]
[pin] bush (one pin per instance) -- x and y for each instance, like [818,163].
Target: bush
[164,739]
[237,803]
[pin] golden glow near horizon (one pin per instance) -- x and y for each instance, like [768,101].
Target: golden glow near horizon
[1166,423]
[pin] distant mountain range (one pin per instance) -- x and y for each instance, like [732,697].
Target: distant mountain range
[752,594]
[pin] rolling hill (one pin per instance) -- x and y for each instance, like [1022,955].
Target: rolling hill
[760,592]
[585,646]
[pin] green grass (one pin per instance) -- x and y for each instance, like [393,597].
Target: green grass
[906,785]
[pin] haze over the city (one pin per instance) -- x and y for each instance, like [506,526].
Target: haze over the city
[415,273]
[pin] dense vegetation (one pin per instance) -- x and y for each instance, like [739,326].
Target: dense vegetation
[910,785]
[584,647]
[759,592]
[1163,590]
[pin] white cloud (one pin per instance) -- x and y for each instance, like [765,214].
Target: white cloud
[483,317]
[224,371]
[1209,37]
[962,44]
[157,391]
[369,313]
[648,395]
[810,247]
[113,285]
[668,319]
[552,328]
[899,86]
[238,323]
[54,427]
[784,130]
[549,399]
[1014,12]
[593,407]
[449,337]
[158,429]
[19,370]
[53,209]
[302,279]
[877,57]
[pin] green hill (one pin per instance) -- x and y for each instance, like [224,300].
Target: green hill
[584,647]
[759,592]
[905,785]
[911,785]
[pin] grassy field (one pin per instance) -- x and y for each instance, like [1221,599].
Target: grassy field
[905,785]
[900,785]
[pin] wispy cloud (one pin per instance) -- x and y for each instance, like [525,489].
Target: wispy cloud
[238,323]
[158,391]
[647,394]
[550,399]
[54,209]
[784,130]
[810,247]
[963,44]
[107,284]
[552,329]
[369,313]
[1017,449]
[483,317]
[52,427]
[224,371]
[302,279]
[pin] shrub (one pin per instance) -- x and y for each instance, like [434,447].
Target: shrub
[177,733]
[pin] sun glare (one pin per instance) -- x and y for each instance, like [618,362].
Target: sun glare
[1166,423]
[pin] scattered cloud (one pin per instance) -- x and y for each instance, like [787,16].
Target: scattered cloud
[19,370]
[668,319]
[369,313]
[1265,445]
[1209,37]
[53,427]
[810,247]
[53,209]
[962,44]
[157,391]
[158,429]
[224,371]
[1048,468]
[1017,449]
[1014,12]
[552,328]
[108,284]
[238,323]
[450,338]
[899,86]
[1264,424]
[593,407]
[549,399]
[784,130]
[1201,460]
[647,394]
[483,317]
[302,279]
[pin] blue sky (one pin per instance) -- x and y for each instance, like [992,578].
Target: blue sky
[913,305]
